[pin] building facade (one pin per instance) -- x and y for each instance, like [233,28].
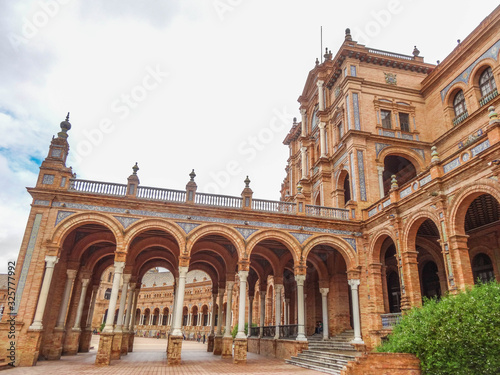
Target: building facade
[391,195]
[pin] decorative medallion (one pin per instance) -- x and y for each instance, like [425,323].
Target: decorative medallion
[390,79]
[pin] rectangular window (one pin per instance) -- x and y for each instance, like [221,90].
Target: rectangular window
[345,72]
[341,131]
[386,119]
[404,122]
[353,70]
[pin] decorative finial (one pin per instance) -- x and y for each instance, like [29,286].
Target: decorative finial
[434,155]
[317,61]
[135,168]
[438,62]
[299,188]
[192,175]
[295,120]
[247,182]
[65,126]
[458,41]
[327,55]
[394,182]
[348,34]
[416,52]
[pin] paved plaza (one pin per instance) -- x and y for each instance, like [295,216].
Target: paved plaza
[149,357]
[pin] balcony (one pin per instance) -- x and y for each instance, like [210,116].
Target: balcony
[457,120]
[488,97]
[389,321]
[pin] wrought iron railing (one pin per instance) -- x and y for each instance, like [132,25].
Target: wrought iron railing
[390,320]
[268,331]
[334,213]
[288,331]
[254,331]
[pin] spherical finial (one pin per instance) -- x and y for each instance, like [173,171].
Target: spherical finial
[247,182]
[192,175]
[348,34]
[416,52]
[135,168]
[394,182]
[299,188]
[65,125]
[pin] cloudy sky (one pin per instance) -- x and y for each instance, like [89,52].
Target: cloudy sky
[176,85]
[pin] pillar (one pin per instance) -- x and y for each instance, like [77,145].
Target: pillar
[262,312]
[304,122]
[123,299]
[63,310]
[174,307]
[131,328]
[218,336]
[243,275]
[250,312]
[175,340]
[227,340]
[211,336]
[50,262]
[412,279]
[324,305]
[287,311]
[322,139]
[303,160]
[73,338]
[354,283]
[380,171]
[86,335]
[321,95]
[300,279]
[278,288]
[79,311]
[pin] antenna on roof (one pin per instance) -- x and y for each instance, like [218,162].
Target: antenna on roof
[321,43]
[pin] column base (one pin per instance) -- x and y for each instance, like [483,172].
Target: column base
[210,343]
[55,347]
[116,347]
[227,347]
[131,337]
[240,351]
[103,356]
[174,350]
[217,345]
[124,346]
[71,342]
[27,349]
[85,338]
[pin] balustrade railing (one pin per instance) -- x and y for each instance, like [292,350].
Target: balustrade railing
[390,320]
[288,331]
[390,54]
[218,200]
[268,331]
[158,194]
[334,213]
[273,206]
[97,187]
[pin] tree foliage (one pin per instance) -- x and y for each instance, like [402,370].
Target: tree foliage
[459,334]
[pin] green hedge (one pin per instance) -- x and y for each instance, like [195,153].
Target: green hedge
[459,334]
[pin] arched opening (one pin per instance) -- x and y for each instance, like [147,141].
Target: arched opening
[194,316]
[146,320]
[431,287]
[343,189]
[156,315]
[204,313]
[164,320]
[399,166]
[459,103]
[185,316]
[482,269]
[394,292]
[487,84]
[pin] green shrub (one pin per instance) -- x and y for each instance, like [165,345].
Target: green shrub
[102,327]
[234,332]
[459,334]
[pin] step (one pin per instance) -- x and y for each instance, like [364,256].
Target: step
[312,367]
[319,363]
[332,347]
[348,357]
[324,359]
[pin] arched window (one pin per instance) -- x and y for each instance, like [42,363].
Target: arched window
[482,268]
[487,82]
[314,119]
[459,103]
[107,294]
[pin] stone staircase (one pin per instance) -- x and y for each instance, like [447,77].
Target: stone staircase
[329,356]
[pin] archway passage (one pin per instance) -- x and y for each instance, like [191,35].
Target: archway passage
[392,300]
[399,166]
[430,281]
[482,225]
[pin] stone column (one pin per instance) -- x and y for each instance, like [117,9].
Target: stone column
[132,321]
[63,310]
[50,262]
[278,288]
[243,275]
[354,283]
[210,339]
[324,304]
[262,312]
[123,300]
[218,336]
[287,311]
[110,319]
[174,307]
[250,312]
[95,290]
[129,307]
[380,171]
[303,159]
[300,307]
[304,122]
[85,283]
[322,139]
[321,95]
[412,279]
[175,340]
[227,340]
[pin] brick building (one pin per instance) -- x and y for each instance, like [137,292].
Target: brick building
[391,195]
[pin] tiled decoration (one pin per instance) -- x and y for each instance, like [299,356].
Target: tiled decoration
[361,171]
[355,105]
[126,221]
[188,227]
[61,215]
[48,179]
[246,232]
[451,165]
[301,237]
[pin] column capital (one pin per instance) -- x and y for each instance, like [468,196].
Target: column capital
[221,292]
[126,278]
[380,169]
[119,266]
[50,261]
[71,274]
[322,125]
[85,282]
[278,287]
[229,285]
[243,275]
[303,112]
[324,291]
[303,149]
[354,283]
[299,279]
[320,83]
[183,270]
